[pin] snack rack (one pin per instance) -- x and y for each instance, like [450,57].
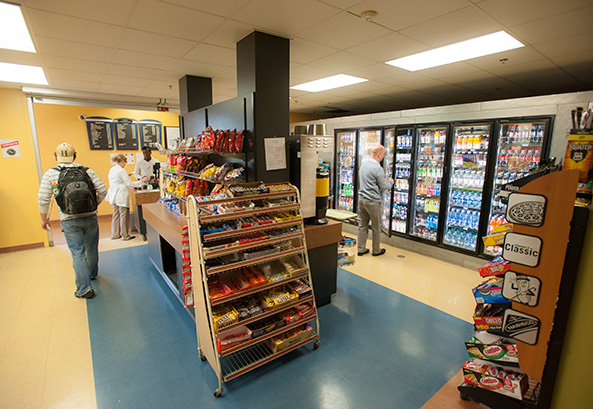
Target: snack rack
[542,358]
[271,242]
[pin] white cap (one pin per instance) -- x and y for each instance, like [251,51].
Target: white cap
[65,153]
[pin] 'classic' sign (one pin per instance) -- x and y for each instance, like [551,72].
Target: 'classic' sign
[522,249]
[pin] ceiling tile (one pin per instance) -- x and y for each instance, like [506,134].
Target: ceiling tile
[220,8]
[512,12]
[341,62]
[565,25]
[199,69]
[306,73]
[151,43]
[285,16]
[303,51]
[72,49]
[449,70]
[454,27]
[228,34]
[74,85]
[110,11]
[343,31]
[171,20]
[566,46]
[67,28]
[130,71]
[209,53]
[120,89]
[119,80]
[19,57]
[517,56]
[372,72]
[136,59]
[388,48]
[342,4]
[397,15]
[62,74]
[52,61]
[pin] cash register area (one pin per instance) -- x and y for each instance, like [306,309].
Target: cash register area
[392,337]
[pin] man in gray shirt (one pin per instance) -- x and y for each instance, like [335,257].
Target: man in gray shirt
[372,185]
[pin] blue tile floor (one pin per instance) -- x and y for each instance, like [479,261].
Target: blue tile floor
[379,349]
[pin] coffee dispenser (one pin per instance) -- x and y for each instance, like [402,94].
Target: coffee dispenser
[311,161]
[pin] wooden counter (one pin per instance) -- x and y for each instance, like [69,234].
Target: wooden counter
[166,223]
[323,234]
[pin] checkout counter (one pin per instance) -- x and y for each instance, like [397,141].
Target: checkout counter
[139,197]
[164,229]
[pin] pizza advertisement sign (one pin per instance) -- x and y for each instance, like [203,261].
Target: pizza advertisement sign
[522,249]
[526,209]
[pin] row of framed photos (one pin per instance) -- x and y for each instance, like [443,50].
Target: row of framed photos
[123,133]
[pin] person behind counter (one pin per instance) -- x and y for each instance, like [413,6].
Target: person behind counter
[119,197]
[144,169]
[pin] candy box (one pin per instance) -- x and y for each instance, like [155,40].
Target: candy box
[490,292]
[496,379]
[268,325]
[290,338]
[232,337]
[498,266]
[506,353]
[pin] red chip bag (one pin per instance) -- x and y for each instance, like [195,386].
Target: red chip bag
[239,142]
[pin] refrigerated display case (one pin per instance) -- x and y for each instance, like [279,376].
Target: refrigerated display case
[346,170]
[521,145]
[469,164]
[367,139]
[401,187]
[388,164]
[430,147]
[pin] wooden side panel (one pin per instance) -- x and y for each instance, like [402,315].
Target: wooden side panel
[560,190]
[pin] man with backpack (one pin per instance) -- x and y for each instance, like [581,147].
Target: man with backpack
[77,191]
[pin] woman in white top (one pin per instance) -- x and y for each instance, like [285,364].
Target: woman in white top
[119,197]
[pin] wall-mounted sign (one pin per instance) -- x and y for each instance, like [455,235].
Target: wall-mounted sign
[522,249]
[521,288]
[526,209]
[521,326]
[126,134]
[150,133]
[275,149]
[99,133]
[10,148]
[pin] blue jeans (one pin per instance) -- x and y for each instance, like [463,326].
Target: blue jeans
[82,236]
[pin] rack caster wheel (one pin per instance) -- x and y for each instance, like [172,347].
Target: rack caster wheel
[203,358]
[463,396]
[218,393]
[316,345]
[201,355]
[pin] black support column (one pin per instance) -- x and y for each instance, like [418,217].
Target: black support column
[263,70]
[194,93]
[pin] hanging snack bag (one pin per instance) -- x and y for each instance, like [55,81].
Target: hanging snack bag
[189,185]
[218,146]
[225,142]
[230,140]
[239,142]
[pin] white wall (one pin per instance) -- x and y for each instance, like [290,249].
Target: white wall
[558,105]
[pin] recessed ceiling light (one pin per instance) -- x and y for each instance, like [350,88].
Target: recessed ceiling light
[465,50]
[26,74]
[14,34]
[323,84]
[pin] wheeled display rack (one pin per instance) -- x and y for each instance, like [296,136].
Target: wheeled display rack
[288,239]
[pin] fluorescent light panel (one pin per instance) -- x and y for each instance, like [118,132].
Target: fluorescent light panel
[14,34]
[465,50]
[323,84]
[25,74]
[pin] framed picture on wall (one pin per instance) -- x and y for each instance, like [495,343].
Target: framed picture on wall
[99,130]
[126,134]
[150,133]
[172,135]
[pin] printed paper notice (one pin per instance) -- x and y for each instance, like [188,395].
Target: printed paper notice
[275,153]
[10,148]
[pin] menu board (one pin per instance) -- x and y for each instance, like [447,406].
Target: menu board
[99,132]
[126,134]
[150,133]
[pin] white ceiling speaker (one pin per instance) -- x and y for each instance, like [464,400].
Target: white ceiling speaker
[368,15]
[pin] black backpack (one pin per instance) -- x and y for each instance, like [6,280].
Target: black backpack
[75,192]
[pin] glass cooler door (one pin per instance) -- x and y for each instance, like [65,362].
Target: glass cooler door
[466,185]
[388,163]
[401,187]
[346,172]
[428,178]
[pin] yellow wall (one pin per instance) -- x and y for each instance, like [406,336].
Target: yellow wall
[59,123]
[19,215]
[573,386]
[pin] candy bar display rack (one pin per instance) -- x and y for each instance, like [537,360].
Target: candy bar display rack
[281,239]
